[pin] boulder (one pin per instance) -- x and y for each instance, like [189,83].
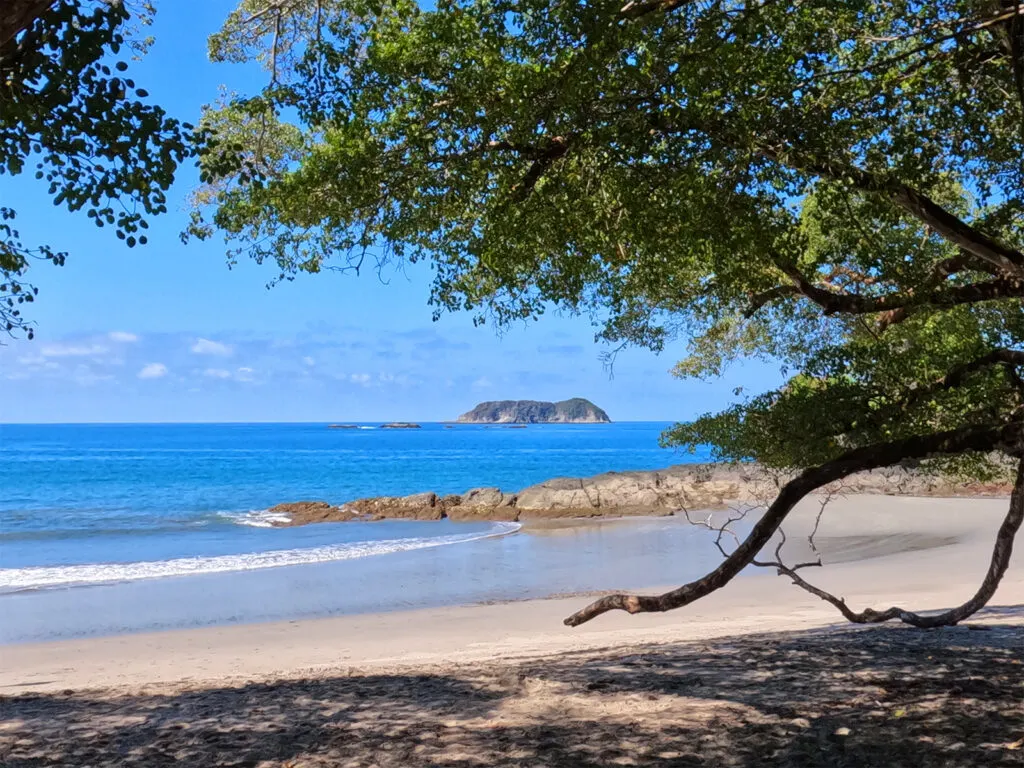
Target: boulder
[484,504]
[303,512]
[483,497]
[418,506]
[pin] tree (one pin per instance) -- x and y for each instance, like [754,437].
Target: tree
[66,107]
[835,186]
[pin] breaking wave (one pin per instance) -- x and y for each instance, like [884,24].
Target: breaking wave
[45,577]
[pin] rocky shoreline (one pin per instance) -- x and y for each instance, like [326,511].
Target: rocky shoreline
[657,493]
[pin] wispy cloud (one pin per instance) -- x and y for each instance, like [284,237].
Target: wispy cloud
[153,371]
[208,347]
[72,350]
[217,373]
[361,378]
[122,337]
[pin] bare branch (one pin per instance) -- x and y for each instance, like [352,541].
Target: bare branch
[817,521]
[1000,561]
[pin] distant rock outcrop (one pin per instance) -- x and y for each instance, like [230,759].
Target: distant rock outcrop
[574,411]
[623,494]
[400,425]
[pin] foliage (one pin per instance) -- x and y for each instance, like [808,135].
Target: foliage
[67,108]
[836,186]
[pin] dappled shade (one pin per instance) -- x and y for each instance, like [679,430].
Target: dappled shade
[878,696]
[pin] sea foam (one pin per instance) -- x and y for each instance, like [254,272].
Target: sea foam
[256,518]
[42,577]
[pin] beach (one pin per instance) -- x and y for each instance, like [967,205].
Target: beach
[447,685]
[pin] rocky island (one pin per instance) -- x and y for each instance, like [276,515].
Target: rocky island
[576,410]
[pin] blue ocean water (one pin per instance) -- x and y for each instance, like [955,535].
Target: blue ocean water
[101,504]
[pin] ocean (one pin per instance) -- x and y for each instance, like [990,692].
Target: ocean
[114,528]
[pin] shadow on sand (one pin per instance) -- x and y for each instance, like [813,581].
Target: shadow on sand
[878,696]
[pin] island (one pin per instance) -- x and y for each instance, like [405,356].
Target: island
[400,425]
[574,411]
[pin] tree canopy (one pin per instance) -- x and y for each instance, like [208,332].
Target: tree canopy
[68,111]
[838,187]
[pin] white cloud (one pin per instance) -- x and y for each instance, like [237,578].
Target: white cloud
[207,347]
[122,337]
[153,371]
[483,383]
[217,373]
[244,374]
[360,378]
[72,350]
[309,361]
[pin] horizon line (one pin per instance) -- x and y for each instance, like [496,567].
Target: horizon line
[373,421]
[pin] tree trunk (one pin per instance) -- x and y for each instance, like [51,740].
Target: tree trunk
[17,15]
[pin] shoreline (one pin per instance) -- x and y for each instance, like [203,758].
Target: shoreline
[927,555]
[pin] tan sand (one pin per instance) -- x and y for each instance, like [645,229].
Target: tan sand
[717,684]
[919,553]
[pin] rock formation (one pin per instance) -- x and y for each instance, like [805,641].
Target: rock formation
[574,411]
[622,494]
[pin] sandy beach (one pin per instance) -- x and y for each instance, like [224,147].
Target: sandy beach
[758,666]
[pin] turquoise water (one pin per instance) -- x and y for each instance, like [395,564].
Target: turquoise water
[146,512]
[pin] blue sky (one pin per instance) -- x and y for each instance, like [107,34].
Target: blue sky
[167,332]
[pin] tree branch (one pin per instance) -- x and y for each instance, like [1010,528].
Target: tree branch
[1000,561]
[637,8]
[558,147]
[835,302]
[869,457]
[998,258]
[18,15]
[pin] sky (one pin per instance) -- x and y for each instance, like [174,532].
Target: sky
[168,333]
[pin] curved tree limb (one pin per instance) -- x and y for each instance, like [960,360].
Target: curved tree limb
[1007,436]
[837,302]
[992,255]
[1000,561]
